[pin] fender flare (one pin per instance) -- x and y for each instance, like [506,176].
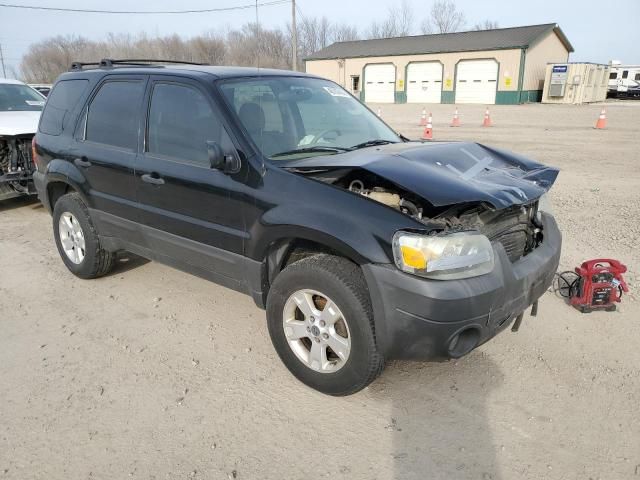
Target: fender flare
[351,238]
[62,171]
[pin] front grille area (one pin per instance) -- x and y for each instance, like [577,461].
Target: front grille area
[514,244]
[514,230]
[15,155]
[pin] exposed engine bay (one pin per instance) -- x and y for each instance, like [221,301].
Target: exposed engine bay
[517,228]
[16,166]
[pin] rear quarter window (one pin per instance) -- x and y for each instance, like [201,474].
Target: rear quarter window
[60,102]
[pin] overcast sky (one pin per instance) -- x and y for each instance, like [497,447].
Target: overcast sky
[599,31]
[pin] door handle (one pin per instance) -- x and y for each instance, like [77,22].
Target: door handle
[153,179]
[82,162]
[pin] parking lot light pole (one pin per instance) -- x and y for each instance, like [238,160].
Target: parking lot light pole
[4,71]
[294,38]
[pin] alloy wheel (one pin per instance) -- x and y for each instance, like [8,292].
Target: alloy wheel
[316,331]
[72,237]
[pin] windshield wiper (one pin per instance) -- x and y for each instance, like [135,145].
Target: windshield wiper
[371,143]
[311,150]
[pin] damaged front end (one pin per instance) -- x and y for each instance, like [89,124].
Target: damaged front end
[517,228]
[16,166]
[450,188]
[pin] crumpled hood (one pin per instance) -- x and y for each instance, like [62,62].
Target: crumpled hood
[448,173]
[19,123]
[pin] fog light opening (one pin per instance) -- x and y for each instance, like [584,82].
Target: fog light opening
[463,342]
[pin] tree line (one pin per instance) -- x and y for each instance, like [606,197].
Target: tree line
[249,45]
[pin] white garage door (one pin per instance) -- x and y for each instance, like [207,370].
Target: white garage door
[477,81]
[380,83]
[424,82]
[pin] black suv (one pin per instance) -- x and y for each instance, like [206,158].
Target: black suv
[361,245]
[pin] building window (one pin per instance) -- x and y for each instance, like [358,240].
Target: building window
[613,75]
[355,83]
[625,73]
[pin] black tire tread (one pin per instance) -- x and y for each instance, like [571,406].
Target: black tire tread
[104,260]
[351,277]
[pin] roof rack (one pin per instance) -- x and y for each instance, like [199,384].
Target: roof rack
[129,62]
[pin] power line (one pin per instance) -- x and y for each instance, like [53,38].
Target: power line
[147,12]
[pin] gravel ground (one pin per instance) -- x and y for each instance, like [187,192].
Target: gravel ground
[152,373]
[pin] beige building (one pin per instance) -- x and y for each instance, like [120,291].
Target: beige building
[504,66]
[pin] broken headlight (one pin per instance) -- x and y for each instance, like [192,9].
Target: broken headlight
[544,205]
[443,257]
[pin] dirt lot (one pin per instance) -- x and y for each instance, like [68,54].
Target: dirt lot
[152,373]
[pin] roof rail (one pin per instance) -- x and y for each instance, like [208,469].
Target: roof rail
[137,62]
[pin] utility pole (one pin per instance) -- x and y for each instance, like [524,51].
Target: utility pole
[4,71]
[294,38]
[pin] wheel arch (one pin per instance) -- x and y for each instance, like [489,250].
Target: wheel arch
[286,250]
[62,177]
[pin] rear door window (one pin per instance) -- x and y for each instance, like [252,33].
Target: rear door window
[62,100]
[114,112]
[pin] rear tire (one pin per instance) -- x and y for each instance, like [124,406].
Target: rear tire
[77,239]
[324,281]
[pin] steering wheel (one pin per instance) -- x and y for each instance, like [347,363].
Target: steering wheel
[321,135]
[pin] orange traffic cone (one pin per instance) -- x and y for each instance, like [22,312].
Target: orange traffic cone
[456,119]
[423,118]
[428,130]
[487,118]
[602,120]
[379,112]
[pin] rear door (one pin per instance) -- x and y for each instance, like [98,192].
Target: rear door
[184,204]
[107,147]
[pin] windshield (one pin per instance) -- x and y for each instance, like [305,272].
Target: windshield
[293,117]
[19,98]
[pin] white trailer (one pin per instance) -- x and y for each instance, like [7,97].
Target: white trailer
[623,79]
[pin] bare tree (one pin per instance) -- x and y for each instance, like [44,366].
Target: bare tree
[443,18]
[45,60]
[486,25]
[250,45]
[209,48]
[313,34]
[345,33]
[399,23]
[403,18]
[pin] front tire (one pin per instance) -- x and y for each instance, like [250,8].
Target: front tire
[77,239]
[321,324]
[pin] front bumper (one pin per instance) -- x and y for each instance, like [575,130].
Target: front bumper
[418,318]
[16,185]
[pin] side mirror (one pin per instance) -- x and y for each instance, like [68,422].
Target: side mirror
[216,155]
[218,160]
